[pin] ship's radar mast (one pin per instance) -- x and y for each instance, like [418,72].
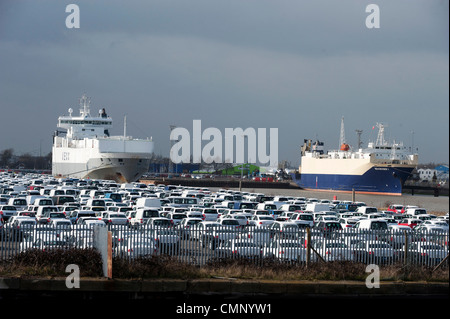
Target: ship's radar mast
[380,138]
[342,137]
[343,145]
[84,105]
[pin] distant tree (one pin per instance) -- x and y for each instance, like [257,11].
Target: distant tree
[6,156]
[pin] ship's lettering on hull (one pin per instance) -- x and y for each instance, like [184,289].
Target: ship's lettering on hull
[65,156]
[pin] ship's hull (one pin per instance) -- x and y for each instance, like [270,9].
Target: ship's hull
[94,162]
[373,179]
[126,171]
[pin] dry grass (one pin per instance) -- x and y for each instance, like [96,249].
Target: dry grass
[268,270]
[44,264]
[34,263]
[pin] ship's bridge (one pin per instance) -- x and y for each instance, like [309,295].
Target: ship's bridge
[84,125]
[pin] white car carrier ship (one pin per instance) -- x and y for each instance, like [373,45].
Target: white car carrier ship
[88,151]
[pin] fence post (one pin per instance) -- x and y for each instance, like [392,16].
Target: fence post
[102,239]
[308,247]
[405,256]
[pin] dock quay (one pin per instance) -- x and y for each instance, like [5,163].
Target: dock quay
[221,183]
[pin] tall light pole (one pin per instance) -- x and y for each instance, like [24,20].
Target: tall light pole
[359,132]
[172,127]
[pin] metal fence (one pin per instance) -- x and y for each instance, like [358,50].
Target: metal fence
[199,244]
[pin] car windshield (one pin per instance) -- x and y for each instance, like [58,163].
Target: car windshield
[333,225]
[379,225]
[63,223]
[230,222]
[117,216]
[161,222]
[150,213]
[57,215]
[431,247]
[49,209]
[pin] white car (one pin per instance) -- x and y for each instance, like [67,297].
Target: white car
[284,230]
[159,222]
[114,218]
[307,217]
[176,217]
[260,220]
[60,223]
[184,227]
[46,242]
[259,235]
[372,251]
[427,252]
[285,249]
[229,222]
[436,222]
[327,218]
[238,248]
[165,237]
[137,248]
[397,234]
[240,218]
[90,221]
[6,211]
[332,250]
[210,214]
[194,214]
[210,234]
[142,215]
[348,222]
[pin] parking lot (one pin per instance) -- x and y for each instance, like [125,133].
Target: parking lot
[199,225]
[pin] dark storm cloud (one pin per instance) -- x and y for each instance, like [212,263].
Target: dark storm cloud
[295,65]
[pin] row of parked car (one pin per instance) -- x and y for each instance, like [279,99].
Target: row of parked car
[145,218]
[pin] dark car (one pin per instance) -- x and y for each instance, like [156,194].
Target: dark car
[326,228]
[47,217]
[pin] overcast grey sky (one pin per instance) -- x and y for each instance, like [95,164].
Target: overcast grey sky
[295,65]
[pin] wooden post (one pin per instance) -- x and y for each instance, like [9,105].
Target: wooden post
[441,263]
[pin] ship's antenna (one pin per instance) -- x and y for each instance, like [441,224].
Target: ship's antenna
[342,138]
[125,127]
[359,132]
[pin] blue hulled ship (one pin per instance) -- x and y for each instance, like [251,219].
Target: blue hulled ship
[381,168]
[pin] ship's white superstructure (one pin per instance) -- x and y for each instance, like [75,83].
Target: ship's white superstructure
[88,151]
